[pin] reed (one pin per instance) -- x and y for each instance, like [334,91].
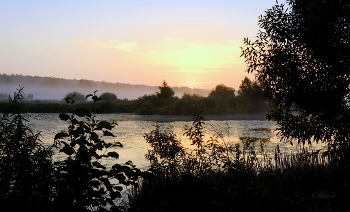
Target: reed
[219,176]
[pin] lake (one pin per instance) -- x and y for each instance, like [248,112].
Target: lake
[131,128]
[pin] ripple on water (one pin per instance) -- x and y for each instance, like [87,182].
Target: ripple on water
[130,131]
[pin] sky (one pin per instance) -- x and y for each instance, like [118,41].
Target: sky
[193,43]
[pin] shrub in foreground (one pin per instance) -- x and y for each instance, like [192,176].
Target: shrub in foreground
[219,176]
[26,169]
[30,181]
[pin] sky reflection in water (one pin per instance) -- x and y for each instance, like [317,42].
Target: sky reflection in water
[131,129]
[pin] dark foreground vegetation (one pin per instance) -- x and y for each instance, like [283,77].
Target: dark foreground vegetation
[31,181]
[301,60]
[221,100]
[213,175]
[218,176]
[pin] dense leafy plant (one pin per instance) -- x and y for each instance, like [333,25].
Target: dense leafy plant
[83,183]
[301,58]
[25,164]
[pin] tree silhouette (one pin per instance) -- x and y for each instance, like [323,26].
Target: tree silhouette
[222,91]
[77,97]
[251,97]
[165,91]
[301,58]
[107,96]
[222,96]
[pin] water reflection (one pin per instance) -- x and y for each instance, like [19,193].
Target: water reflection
[131,129]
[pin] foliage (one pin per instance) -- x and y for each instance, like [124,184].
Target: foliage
[30,181]
[165,91]
[251,97]
[216,175]
[222,100]
[221,92]
[189,104]
[165,153]
[301,59]
[78,97]
[223,97]
[107,96]
[25,164]
[83,183]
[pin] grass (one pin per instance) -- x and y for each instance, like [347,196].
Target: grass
[217,176]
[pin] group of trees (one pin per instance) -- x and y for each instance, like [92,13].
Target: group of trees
[79,97]
[221,100]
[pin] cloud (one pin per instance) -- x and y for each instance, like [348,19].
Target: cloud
[195,55]
[106,43]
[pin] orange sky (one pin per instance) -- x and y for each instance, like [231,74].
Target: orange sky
[187,43]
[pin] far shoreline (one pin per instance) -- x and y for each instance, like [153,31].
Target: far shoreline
[165,118]
[169,118]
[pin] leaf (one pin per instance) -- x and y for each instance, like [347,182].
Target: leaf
[60,135]
[78,131]
[67,149]
[87,96]
[64,117]
[95,98]
[104,124]
[106,183]
[107,145]
[81,112]
[113,154]
[116,166]
[115,195]
[120,177]
[119,188]
[107,133]
[98,165]
[117,144]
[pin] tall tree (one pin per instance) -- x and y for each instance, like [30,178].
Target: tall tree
[301,58]
[223,97]
[165,91]
[222,91]
[251,97]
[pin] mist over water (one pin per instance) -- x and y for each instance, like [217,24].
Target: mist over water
[49,88]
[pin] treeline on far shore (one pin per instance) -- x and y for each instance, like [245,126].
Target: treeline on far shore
[221,100]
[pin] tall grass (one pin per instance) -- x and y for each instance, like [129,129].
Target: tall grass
[219,176]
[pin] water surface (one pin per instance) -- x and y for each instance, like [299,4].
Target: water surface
[131,128]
